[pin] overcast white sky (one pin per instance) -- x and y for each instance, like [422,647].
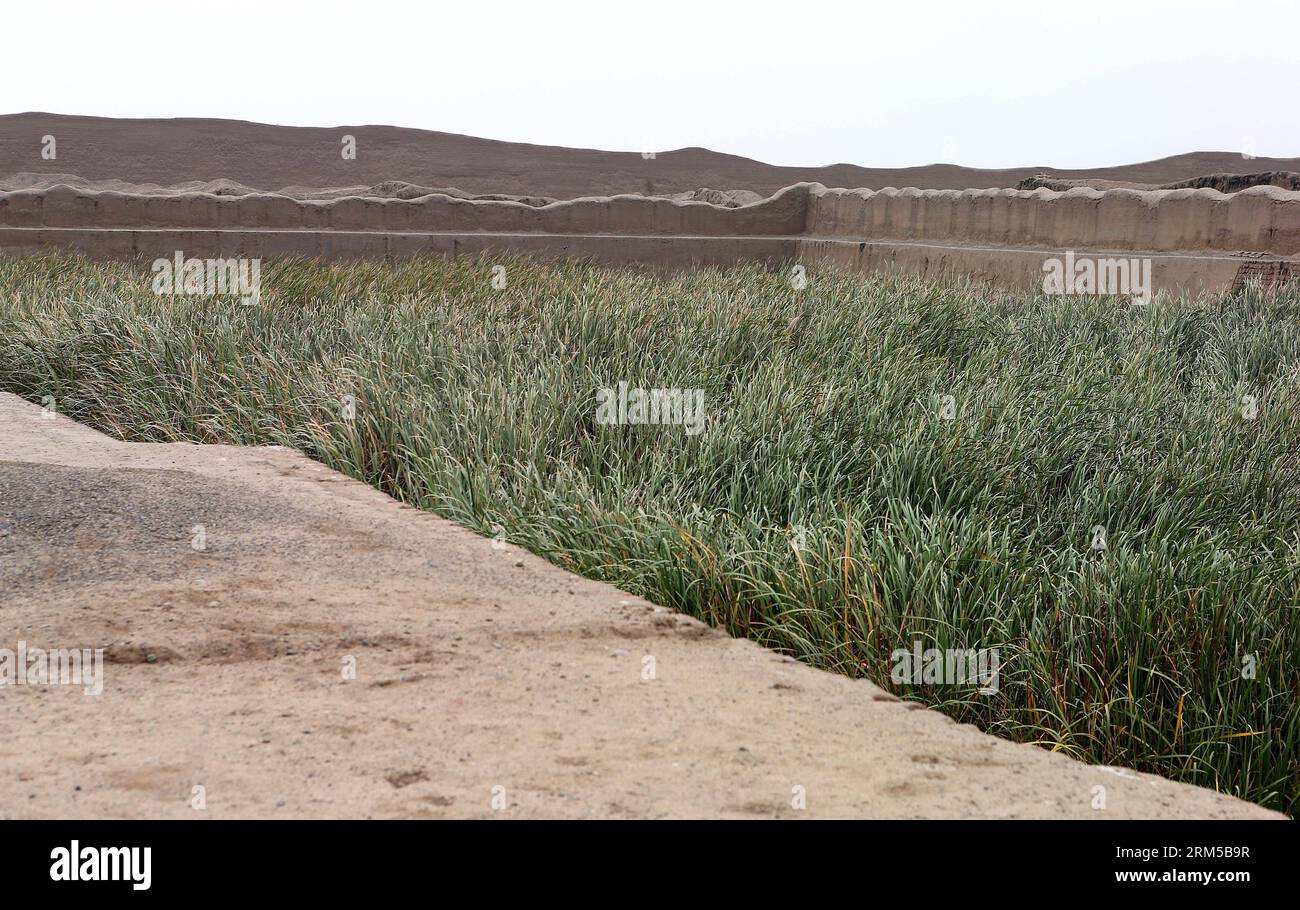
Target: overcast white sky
[998,84]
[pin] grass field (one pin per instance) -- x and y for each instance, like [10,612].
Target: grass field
[836,505]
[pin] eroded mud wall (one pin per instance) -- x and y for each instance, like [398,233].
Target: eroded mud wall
[66,207]
[1261,219]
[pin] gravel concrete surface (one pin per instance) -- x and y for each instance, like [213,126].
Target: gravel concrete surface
[487,682]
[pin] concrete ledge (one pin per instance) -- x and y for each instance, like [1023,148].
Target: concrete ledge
[476,667]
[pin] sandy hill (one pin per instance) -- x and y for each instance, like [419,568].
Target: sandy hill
[268,157]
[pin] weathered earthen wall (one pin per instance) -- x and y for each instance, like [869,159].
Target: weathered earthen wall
[62,206]
[1263,219]
[1001,236]
[1017,268]
[673,252]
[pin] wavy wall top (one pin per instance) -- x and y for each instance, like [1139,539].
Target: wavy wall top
[63,206]
[1262,219]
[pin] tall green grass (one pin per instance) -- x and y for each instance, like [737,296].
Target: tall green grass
[829,510]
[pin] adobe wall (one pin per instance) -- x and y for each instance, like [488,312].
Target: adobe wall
[666,251]
[1263,219]
[1193,237]
[63,206]
[1017,268]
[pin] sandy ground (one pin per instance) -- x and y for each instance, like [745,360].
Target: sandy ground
[482,673]
[271,158]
